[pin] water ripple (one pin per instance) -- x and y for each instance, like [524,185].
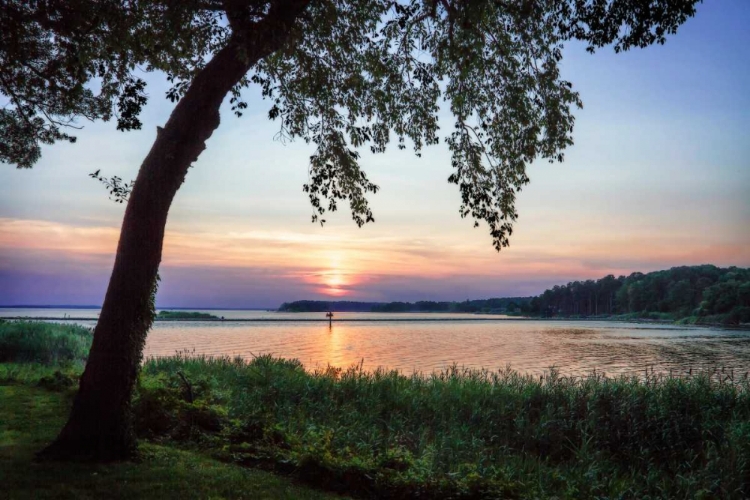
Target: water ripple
[574,348]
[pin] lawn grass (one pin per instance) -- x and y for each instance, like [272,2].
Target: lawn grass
[31,416]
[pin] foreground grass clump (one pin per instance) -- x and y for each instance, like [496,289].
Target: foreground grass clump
[41,342]
[460,433]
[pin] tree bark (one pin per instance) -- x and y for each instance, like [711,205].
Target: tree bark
[100,425]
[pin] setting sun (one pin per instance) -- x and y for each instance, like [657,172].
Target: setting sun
[335,284]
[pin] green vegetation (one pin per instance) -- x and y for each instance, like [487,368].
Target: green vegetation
[30,416]
[456,434]
[460,433]
[688,294]
[184,315]
[47,343]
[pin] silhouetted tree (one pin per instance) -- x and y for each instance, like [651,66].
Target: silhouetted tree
[341,75]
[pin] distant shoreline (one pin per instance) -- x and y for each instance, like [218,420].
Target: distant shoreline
[271,320]
[478,318]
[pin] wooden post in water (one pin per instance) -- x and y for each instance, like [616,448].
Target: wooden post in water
[329,315]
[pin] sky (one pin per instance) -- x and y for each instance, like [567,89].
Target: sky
[659,176]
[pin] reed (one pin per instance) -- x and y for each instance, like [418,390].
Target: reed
[42,342]
[478,433]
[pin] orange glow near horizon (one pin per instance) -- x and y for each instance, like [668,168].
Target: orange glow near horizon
[333,292]
[337,265]
[338,279]
[335,283]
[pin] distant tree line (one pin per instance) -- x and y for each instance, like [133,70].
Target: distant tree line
[323,306]
[690,293]
[495,305]
[701,293]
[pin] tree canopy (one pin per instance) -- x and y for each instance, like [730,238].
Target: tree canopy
[348,75]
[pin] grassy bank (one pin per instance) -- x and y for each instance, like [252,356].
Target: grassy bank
[457,434]
[30,417]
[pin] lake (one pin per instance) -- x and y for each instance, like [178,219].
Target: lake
[429,342]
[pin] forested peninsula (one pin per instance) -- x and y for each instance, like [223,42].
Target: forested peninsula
[686,294]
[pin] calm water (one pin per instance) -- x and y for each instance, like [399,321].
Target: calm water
[428,342]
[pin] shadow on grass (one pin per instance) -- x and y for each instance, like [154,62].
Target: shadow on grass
[30,417]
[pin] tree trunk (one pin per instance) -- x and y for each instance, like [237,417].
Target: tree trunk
[100,425]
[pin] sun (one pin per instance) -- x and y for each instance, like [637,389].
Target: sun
[334,284]
[334,280]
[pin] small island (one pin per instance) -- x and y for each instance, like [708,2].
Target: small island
[185,315]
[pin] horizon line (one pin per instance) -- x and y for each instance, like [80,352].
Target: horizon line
[91,306]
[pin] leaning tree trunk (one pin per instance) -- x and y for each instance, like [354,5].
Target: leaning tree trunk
[100,424]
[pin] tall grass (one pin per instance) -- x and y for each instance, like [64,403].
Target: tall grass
[469,433]
[46,343]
